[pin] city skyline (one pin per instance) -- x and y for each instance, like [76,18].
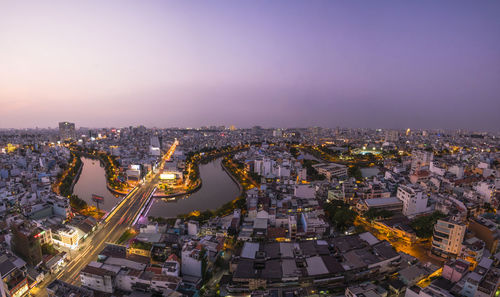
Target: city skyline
[250,148]
[384,65]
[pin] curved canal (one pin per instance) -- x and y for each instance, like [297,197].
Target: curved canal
[217,188]
[92,180]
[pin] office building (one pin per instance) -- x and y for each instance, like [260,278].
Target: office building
[66,130]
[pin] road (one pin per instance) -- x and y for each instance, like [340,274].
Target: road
[417,250]
[110,230]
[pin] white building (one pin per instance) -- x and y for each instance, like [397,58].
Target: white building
[436,168]
[283,171]
[485,190]
[414,200]
[304,191]
[458,170]
[191,259]
[67,237]
[154,151]
[448,237]
[263,166]
[98,278]
[420,159]
[193,228]
[331,170]
[172,266]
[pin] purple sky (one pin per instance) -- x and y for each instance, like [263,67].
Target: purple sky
[380,64]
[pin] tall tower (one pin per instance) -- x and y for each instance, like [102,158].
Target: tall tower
[66,130]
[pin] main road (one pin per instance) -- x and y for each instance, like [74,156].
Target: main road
[110,230]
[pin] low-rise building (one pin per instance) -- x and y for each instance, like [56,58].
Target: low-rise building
[487,231]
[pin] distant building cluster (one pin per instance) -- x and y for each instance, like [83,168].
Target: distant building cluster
[322,212]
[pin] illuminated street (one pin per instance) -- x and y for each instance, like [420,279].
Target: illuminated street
[109,231]
[249,148]
[417,250]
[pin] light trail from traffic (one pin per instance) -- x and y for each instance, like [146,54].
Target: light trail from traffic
[111,229]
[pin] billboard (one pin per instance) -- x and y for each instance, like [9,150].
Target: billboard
[168,176]
[97,197]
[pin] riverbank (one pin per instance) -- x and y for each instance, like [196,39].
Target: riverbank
[92,182]
[64,186]
[77,177]
[191,191]
[240,186]
[196,159]
[227,208]
[109,168]
[246,182]
[215,197]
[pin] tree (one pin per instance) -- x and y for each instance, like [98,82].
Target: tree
[312,173]
[48,249]
[373,214]
[77,203]
[424,225]
[487,207]
[295,152]
[344,218]
[355,172]
[340,215]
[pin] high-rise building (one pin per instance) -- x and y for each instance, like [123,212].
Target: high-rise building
[391,135]
[26,244]
[66,130]
[155,141]
[448,237]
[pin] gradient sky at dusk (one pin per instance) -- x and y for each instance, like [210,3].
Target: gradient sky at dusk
[380,64]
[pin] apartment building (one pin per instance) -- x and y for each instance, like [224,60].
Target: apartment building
[448,237]
[487,231]
[414,200]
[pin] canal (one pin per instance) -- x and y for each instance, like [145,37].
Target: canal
[217,189]
[93,181]
[308,156]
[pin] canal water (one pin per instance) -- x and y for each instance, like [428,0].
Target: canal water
[93,181]
[308,156]
[217,188]
[369,171]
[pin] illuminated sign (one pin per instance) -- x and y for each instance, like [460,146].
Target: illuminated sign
[20,289]
[169,176]
[97,197]
[135,167]
[39,234]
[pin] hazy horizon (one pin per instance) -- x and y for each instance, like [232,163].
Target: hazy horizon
[402,130]
[383,64]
